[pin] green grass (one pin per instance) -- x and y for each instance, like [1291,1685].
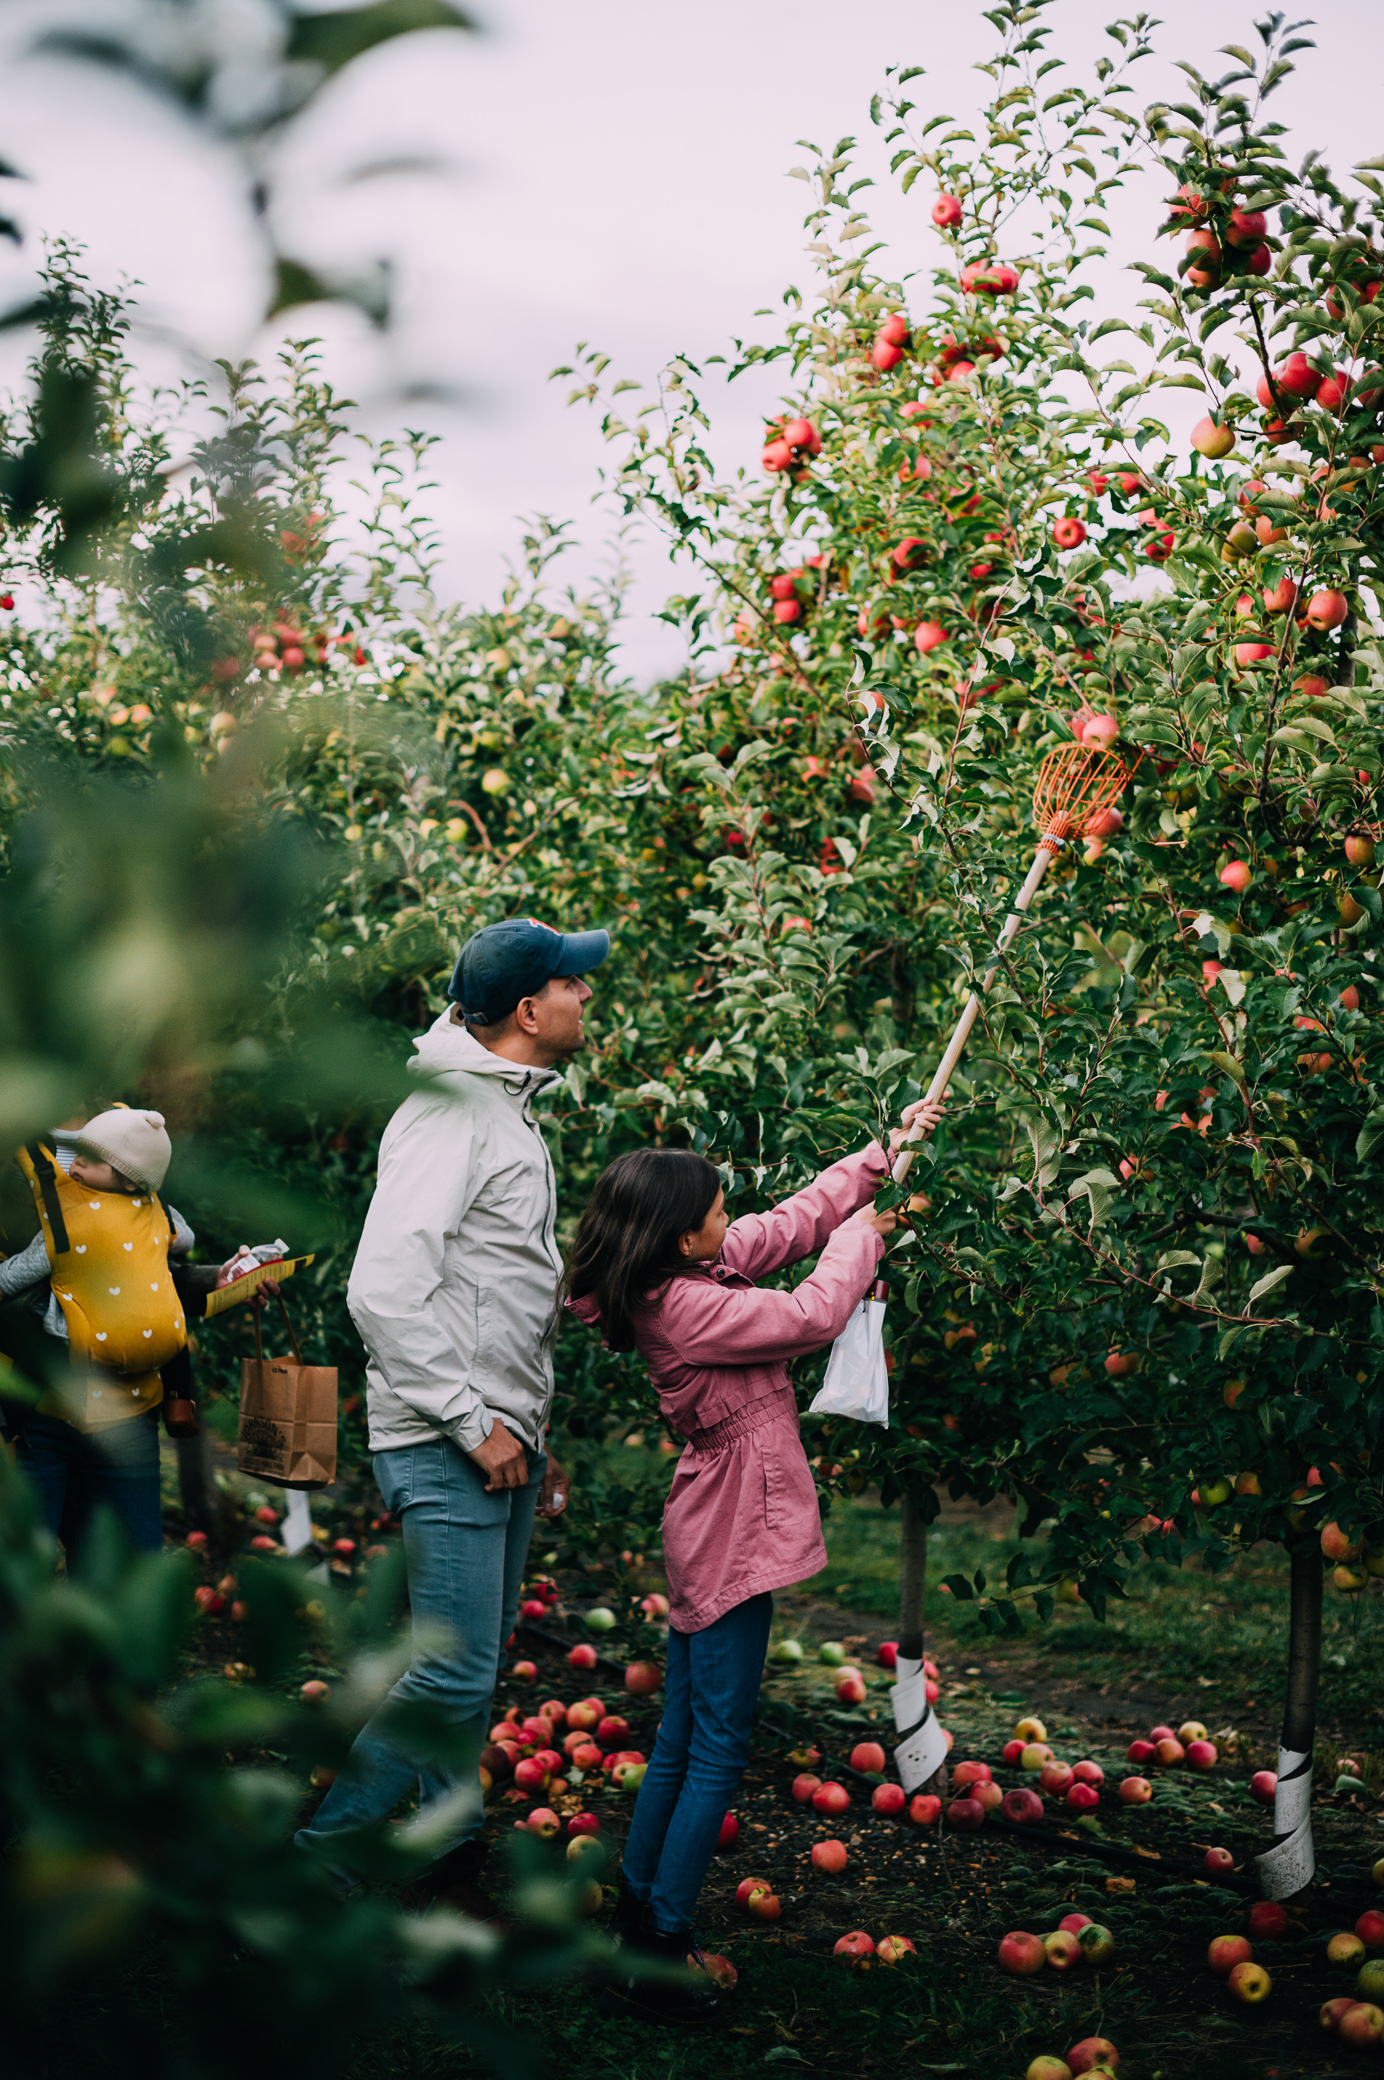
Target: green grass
[1182,1628]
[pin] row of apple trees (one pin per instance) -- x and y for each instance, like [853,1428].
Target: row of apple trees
[1141,1293]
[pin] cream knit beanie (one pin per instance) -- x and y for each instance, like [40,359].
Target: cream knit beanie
[134,1143]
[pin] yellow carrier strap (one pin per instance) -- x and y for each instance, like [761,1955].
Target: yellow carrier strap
[241,1289]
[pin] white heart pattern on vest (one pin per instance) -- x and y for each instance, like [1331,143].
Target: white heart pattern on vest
[81,1249]
[113,1291]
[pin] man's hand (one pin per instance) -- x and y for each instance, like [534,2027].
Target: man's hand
[883,1223]
[919,1121]
[501,1459]
[552,1496]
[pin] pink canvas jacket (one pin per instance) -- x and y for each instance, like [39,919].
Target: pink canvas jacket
[742,1515]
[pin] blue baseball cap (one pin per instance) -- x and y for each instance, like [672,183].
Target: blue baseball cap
[503,963]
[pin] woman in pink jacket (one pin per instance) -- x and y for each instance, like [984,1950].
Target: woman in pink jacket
[658,1267]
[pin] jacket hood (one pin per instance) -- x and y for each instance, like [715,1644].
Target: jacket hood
[447,1046]
[584,1309]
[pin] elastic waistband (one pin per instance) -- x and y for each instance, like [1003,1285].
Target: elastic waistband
[757,1416]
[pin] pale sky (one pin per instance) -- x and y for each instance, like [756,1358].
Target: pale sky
[612,172]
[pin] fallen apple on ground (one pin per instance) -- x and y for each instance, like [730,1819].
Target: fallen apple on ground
[1263,1785]
[1021,1954]
[894,1949]
[805,1786]
[718,1969]
[868,1758]
[1370,1929]
[1092,2052]
[855,1946]
[1097,1943]
[830,1857]
[1063,1949]
[1362,2024]
[925,1810]
[1268,1921]
[1250,1983]
[1345,1948]
[1136,1791]
[1075,1922]
[831,1798]
[892,1798]
[764,1904]
[730,1832]
[965,1814]
[746,1887]
[1225,1952]
[1218,1860]
[1330,2013]
[1046,2067]
[1369,1982]
[1023,1807]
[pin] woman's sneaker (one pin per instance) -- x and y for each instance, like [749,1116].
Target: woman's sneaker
[673,1995]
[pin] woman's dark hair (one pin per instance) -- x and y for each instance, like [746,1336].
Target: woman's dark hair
[627,1240]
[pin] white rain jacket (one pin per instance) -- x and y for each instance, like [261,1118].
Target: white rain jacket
[454,1287]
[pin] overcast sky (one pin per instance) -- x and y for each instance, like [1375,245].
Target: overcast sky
[615,172]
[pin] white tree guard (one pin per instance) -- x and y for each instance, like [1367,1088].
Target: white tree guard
[296,1531]
[924,1751]
[1289,1865]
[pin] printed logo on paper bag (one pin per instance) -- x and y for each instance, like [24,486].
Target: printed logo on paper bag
[261,1440]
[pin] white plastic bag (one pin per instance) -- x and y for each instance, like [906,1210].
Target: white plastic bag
[857,1381]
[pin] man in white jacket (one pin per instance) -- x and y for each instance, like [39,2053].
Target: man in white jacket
[454,1292]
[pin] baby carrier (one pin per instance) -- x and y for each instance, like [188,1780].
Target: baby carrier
[108,1260]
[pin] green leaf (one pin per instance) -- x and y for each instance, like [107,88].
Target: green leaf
[1268,1282]
[333,40]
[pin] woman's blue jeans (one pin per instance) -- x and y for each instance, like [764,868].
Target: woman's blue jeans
[76,1472]
[710,1690]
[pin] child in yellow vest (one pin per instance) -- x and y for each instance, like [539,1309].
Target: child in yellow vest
[104,1248]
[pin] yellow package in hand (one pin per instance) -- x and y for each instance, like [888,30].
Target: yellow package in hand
[108,1256]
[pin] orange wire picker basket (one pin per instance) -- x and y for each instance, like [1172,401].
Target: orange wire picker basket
[1075,785]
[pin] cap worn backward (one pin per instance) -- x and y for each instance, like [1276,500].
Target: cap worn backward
[503,963]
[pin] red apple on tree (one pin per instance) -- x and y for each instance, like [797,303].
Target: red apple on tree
[1327,610]
[1069,533]
[946,212]
[1212,440]
[1236,875]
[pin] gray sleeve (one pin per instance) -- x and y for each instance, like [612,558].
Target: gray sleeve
[183,1237]
[25,1269]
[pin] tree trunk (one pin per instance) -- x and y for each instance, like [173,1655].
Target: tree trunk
[921,1755]
[912,1576]
[1288,1866]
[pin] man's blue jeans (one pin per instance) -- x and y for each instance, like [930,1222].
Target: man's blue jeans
[710,1691]
[77,1471]
[465,1551]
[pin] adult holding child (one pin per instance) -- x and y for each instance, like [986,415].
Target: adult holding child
[454,1293]
[657,1266]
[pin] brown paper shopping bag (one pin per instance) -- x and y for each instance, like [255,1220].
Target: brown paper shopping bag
[287,1417]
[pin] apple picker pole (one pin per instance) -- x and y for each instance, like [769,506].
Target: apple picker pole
[1074,785]
[1289,1864]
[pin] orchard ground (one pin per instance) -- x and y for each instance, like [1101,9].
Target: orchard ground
[1184,1644]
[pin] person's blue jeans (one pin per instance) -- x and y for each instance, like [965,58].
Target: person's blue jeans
[465,1550]
[77,1471]
[710,1690]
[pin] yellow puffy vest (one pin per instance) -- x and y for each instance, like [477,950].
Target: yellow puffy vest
[108,1256]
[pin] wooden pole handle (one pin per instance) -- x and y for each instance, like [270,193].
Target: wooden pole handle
[961,1032]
